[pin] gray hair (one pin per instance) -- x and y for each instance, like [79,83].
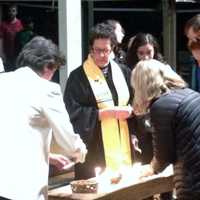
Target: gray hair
[38,53]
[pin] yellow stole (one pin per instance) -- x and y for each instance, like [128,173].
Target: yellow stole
[115,133]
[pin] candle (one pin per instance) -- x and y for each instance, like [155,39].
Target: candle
[97,172]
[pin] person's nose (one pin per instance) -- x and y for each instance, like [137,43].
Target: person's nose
[102,54]
[146,57]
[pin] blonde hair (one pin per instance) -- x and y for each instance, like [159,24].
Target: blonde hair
[150,79]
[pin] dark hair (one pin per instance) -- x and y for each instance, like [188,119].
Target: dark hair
[102,31]
[27,20]
[193,22]
[11,5]
[113,23]
[8,8]
[137,41]
[38,53]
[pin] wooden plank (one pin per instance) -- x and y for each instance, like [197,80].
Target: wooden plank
[136,191]
[142,190]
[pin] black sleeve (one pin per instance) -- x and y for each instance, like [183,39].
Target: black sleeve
[81,105]
[162,113]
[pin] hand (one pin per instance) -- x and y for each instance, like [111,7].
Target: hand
[121,115]
[123,112]
[146,170]
[59,161]
[106,113]
[117,112]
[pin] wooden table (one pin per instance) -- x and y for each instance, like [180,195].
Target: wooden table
[133,191]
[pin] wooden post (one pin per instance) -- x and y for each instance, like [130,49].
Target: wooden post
[169,31]
[70,36]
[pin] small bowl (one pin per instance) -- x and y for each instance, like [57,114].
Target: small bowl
[84,186]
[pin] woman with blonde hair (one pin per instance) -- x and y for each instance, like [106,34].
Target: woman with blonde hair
[151,83]
[174,114]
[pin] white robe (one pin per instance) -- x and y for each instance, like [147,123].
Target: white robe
[31,107]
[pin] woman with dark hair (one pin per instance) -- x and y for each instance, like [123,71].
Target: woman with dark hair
[143,46]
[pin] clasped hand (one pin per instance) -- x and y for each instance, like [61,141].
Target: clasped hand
[117,112]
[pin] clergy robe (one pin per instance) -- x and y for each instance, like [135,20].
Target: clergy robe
[83,111]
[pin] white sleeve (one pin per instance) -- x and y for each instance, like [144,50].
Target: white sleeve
[1,66]
[57,115]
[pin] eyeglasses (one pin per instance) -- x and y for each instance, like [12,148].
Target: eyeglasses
[100,51]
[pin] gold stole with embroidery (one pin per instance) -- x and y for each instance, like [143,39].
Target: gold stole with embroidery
[115,133]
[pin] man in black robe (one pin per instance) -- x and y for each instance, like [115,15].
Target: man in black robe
[89,104]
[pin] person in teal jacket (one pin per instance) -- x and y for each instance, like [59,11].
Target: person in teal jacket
[192,31]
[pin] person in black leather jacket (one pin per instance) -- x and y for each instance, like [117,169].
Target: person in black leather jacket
[174,114]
